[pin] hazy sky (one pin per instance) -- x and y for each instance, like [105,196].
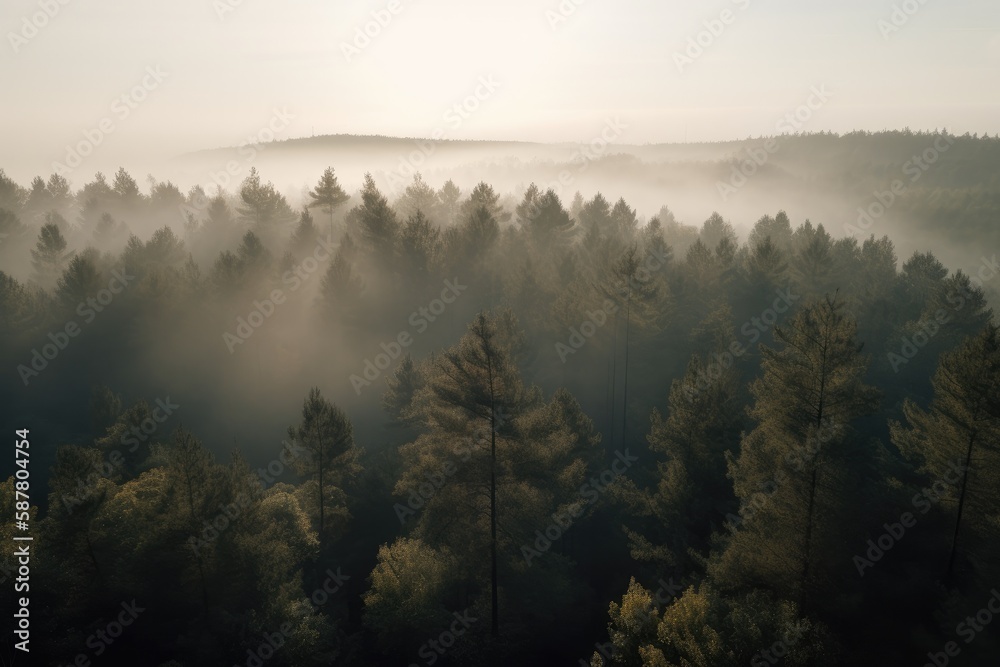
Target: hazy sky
[229,63]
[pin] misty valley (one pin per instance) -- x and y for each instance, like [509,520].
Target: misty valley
[495,416]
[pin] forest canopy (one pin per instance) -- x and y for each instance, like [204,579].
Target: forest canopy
[472,426]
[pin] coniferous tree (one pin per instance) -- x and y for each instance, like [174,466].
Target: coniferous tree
[11,229]
[715,230]
[418,196]
[105,407]
[484,195]
[449,195]
[595,216]
[263,206]
[81,280]
[38,201]
[326,434]
[703,628]
[342,287]
[778,229]
[690,496]
[510,461]
[378,222]
[624,220]
[576,206]
[470,386]
[401,389]
[305,235]
[328,194]
[419,245]
[12,195]
[812,262]
[802,456]
[17,304]
[50,255]
[59,192]
[961,431]
[190,472]
[543,217]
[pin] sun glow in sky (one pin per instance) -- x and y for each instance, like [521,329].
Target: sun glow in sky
[562,69]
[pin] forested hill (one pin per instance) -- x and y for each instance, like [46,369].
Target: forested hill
[461,425]
[951,197]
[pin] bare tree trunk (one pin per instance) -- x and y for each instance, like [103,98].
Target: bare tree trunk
[321,499]
[494,601]
[950,576]
[93,556]
[807,548]
[201,566]
[806,561]
[628,318]
[614,377]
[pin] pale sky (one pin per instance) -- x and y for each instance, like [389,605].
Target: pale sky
[558,81]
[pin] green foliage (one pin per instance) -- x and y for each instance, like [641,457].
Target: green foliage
[766,471]
[50,255]
[797,472]
[328,194]
[961,430]
[331,462]
[263,206]
[705,629]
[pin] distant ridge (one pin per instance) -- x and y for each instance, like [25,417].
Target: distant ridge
[380,141]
